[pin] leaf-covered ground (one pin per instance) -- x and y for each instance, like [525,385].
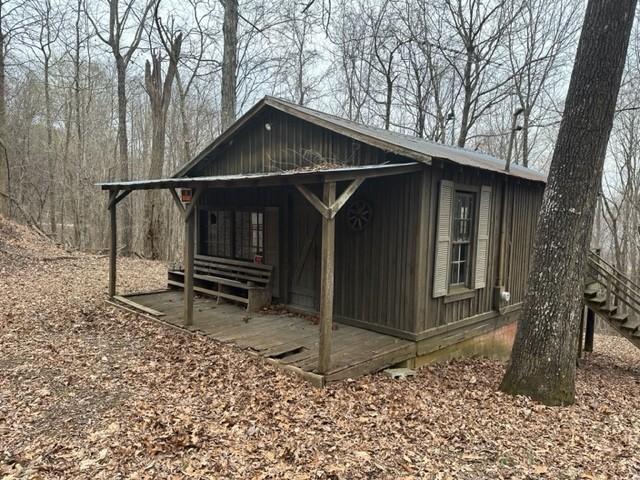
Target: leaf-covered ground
[88,391]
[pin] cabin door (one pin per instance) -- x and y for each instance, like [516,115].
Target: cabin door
[306,227]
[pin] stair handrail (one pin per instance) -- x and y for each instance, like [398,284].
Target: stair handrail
[601,261]
[621,282]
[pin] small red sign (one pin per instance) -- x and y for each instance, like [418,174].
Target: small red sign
[185,195]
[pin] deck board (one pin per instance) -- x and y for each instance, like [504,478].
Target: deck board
[290,340]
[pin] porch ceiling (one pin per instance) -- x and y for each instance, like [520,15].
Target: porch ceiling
[269,179]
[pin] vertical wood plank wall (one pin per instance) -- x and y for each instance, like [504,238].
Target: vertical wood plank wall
[523,200]
[376,274]
[375,268]
[290,143]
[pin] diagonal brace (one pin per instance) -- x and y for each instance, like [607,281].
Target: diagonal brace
[115,197]
[177,200]
[331,211]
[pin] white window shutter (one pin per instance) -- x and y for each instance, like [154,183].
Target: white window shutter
[443,240]
[482,244]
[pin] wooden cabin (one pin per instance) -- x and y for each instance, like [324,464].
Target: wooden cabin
[374,229]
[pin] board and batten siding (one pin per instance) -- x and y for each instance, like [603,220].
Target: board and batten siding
[287,143]
[375,269]
[522,201]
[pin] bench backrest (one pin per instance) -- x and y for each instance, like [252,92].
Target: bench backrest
[238,270]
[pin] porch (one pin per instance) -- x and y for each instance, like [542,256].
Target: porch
[286,339]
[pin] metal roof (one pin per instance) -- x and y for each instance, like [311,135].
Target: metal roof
[412,147]
[289,177]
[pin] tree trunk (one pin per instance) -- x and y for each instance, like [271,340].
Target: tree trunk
[74,172]
[466,104]
[5,205]
[229,63]
[159,97]
[123,142]
[51,161]
[543,359]
[186,132]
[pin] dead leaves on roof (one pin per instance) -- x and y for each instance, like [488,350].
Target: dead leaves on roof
[88,391]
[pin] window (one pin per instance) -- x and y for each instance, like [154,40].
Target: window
[219,234]
[232,234]
[462,238]
[462,225]
[249,228]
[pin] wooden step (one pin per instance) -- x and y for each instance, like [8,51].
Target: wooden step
[590,281]
[591,291]
[619,317]
[630,327]
[598,300]
[608,309]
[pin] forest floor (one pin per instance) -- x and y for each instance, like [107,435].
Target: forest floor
[90,391]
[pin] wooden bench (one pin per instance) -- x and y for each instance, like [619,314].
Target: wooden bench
[236,280]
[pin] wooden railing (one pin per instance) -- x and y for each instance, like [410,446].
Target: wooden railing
[619,289]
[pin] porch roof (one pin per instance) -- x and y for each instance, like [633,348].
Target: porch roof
[268,179]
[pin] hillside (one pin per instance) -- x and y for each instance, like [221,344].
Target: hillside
[88,391]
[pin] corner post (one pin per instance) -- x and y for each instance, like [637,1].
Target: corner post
[189,253]
[326,282]
[189,247]
[113,194]
[589,331]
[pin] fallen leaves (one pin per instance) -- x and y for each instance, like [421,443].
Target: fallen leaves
[90,392]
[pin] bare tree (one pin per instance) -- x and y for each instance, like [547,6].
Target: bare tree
[159,93]
[431,90]
[348,34]
[119,25]
[5,171]
[47,35]
[472,42]
[13,20]
[386,42]
[200,40]
[539,40]
[621,185]
[298,68]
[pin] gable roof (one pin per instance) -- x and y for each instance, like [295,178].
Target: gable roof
[410,146]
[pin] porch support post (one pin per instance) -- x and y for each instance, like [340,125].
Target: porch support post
[590,329]
[113,242]
[328,208]
[326,281]
[189,253]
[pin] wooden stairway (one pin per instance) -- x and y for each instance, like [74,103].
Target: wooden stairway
[614,297]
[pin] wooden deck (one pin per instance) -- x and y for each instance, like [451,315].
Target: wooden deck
[289,341]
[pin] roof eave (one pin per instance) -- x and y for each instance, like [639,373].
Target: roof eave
[268,179]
